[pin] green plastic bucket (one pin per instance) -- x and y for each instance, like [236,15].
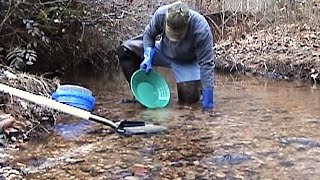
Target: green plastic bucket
[151,89]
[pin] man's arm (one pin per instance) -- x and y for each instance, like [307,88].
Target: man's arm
[206,57]
[153,29]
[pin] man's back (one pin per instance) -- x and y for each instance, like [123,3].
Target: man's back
[198,32]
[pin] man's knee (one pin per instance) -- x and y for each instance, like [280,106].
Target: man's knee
[128,61]
[131,49]
[135,46]
[189,92]
[124,54]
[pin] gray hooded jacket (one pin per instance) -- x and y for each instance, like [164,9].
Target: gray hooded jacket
[197,45]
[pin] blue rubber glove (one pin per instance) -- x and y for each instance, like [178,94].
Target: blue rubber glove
[208,101]
[148,55]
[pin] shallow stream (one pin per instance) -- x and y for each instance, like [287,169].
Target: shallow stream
[260,129]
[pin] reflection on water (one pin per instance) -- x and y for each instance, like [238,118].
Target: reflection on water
[157,116]
[260,129]
[74,129]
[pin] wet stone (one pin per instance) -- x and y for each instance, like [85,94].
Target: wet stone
[281,111]
[300,148]
[95,172]
[101,132]
[157,168]
[314,121]
[6,169]
[103,150]
[181,174]
[215,114]
[286,163]
[196,163]
[190,175]
[49,175]
[220,175]
[253,109]
[266,118]
[271,154]
[288,118]
[13,171]
[201,177]
[238,177]
[202,137]
[37,161]
[301,142]
[176,164]
[74,161]
[139,170]
[148,151]
[232,159]
[123,166]
[190,117]
[123,173]
[132,178]
[13,176]
[85,169]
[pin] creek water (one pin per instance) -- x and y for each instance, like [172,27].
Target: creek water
[260,129]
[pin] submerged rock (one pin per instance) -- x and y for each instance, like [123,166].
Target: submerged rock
[302,141]
[286,163]
[131,178]
[122,173]
[139,170]
[232,159]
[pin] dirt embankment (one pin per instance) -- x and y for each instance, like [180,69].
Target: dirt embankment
[280,52]
[279,42]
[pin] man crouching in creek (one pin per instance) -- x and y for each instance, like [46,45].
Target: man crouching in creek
[186,46]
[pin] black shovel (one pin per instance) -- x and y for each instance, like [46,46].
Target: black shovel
[123,127]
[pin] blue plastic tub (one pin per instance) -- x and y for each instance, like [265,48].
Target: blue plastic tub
[74,97]
[73,87]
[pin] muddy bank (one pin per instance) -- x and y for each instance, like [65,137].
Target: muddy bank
[20,119]
[285,52]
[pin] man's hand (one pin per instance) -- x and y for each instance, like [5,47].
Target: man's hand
[146,64]
[208,101]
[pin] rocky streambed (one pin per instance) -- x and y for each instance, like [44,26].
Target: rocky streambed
[260,129]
